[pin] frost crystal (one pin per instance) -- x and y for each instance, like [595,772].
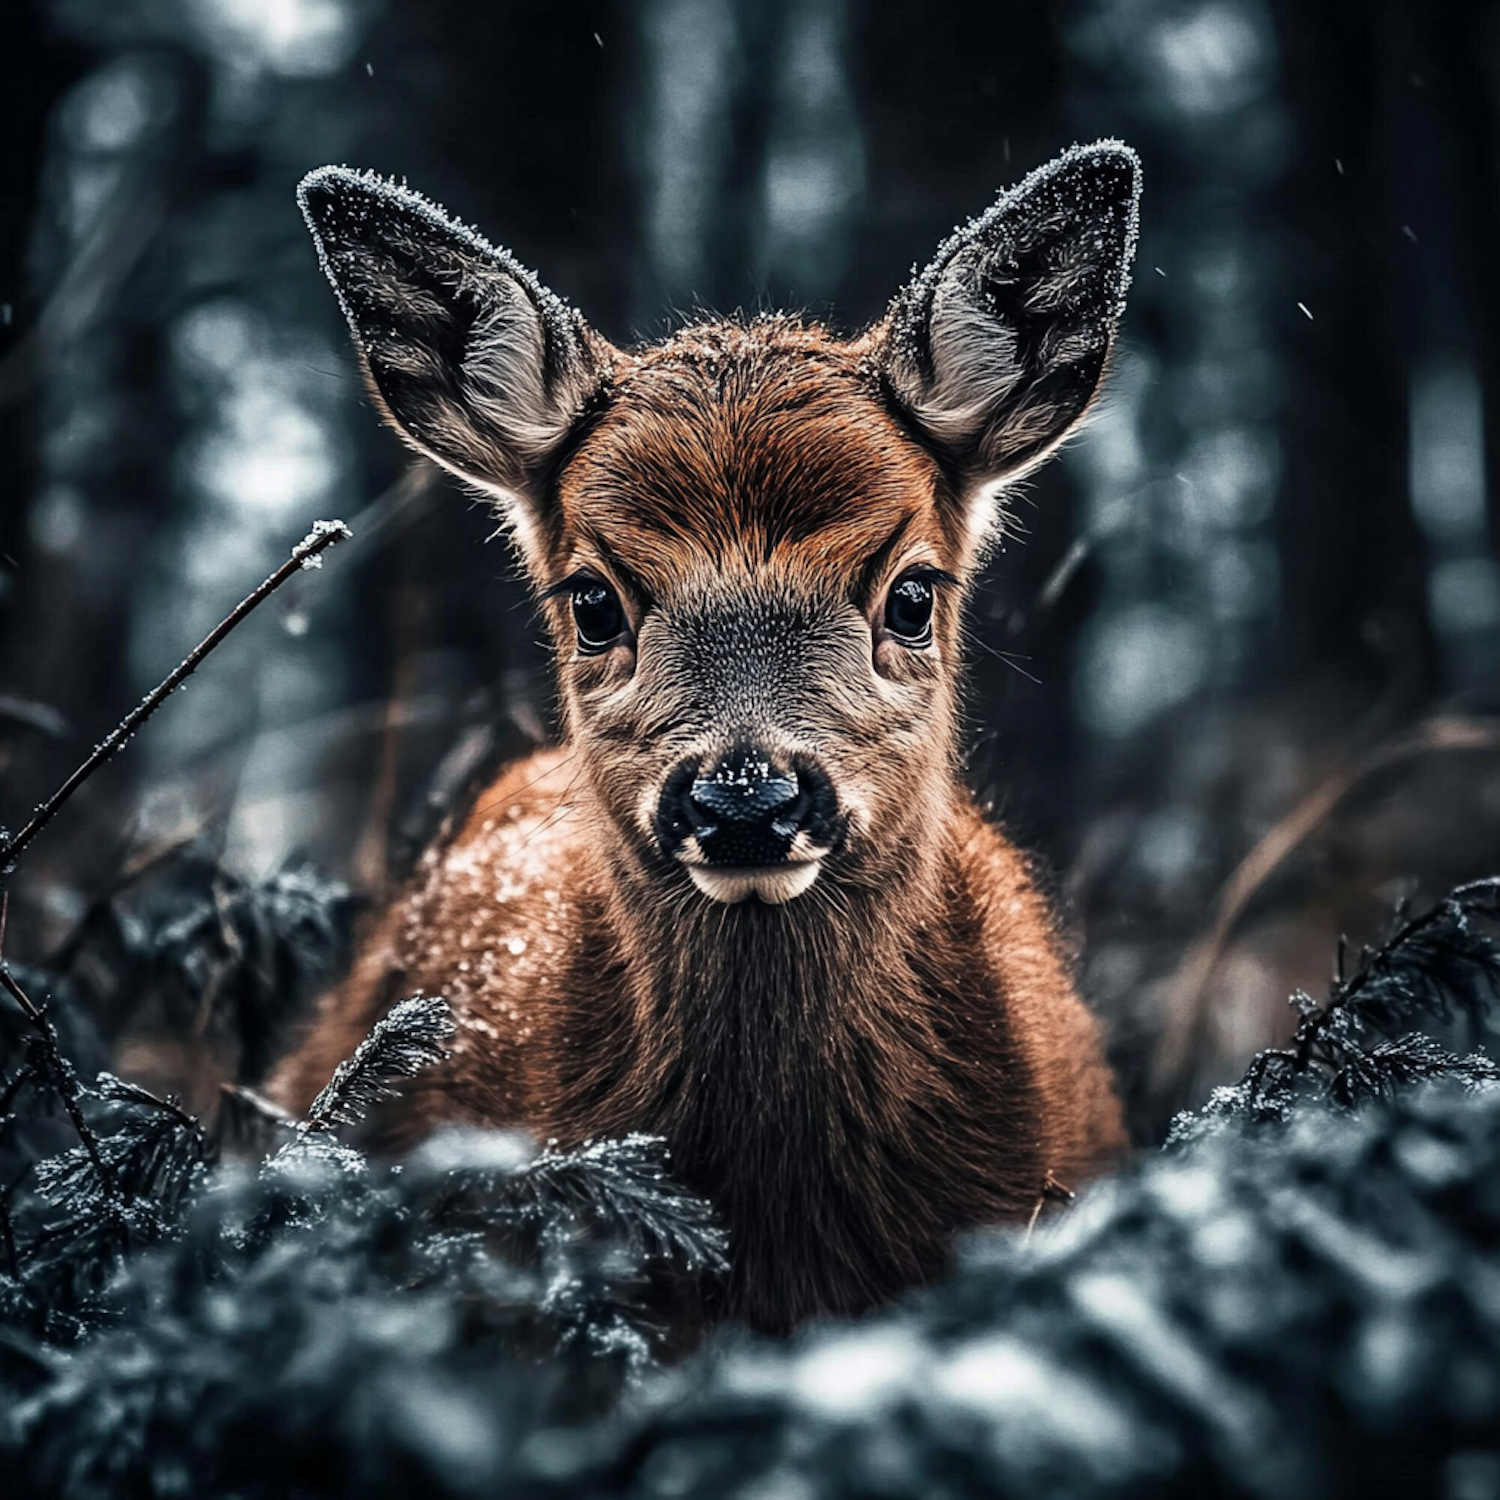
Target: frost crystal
[320,530]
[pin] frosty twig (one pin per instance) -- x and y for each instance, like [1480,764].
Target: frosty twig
[307,553]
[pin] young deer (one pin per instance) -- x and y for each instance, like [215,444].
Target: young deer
[748,904]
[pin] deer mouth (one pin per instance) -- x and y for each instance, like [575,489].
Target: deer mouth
[773,884]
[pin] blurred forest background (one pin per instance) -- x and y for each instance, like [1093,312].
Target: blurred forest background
[1238,687]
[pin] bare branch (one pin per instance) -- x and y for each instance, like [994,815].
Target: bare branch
[306,554]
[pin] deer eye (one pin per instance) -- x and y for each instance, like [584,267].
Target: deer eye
[597,614]
[908,611]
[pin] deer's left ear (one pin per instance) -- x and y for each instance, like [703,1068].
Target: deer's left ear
[997,348]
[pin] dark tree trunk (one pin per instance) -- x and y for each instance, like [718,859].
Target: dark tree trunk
[1352,558]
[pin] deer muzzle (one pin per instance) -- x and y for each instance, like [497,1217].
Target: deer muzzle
[749,823]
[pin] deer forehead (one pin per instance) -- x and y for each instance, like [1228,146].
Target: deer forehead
[744,450]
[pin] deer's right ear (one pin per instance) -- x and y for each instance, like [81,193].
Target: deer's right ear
[476,364]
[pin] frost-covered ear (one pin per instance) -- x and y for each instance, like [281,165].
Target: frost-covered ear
[474,361]
[997,348]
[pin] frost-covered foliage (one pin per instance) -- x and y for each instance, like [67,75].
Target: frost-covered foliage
[356,1327]
[1297,1299]
[1307,1314]
[173,1325]
[1439,971]
[411,1037]
[193,950]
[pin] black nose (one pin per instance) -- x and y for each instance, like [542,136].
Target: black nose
[748,793]
[745,809]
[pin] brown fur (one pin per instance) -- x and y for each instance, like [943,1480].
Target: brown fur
[895,1051]
[851,1077]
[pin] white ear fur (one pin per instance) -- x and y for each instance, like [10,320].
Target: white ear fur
[476,364]
[998,347]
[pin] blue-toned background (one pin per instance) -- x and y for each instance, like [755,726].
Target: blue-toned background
[1256,614]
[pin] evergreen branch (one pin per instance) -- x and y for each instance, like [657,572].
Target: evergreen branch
[59,1072]
[1390,985]
[1366,1040]
[624,1184]
[122,1091]
[413,1036]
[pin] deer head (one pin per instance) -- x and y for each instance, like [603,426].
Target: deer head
[752,541]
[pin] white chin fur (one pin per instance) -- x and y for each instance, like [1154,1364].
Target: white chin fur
[774,885]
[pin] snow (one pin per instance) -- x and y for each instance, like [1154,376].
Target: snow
[319,536]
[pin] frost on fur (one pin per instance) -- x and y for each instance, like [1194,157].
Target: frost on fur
[476,363]
[998,347]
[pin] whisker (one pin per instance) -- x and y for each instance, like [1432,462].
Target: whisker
[558,812]
[484,807]
[1011,660]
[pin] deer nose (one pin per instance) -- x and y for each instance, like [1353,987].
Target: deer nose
[744,810]
[748,795]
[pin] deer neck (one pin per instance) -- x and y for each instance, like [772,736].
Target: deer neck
[751,1018]
[801,1062]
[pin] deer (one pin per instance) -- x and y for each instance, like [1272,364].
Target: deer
[747,903]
